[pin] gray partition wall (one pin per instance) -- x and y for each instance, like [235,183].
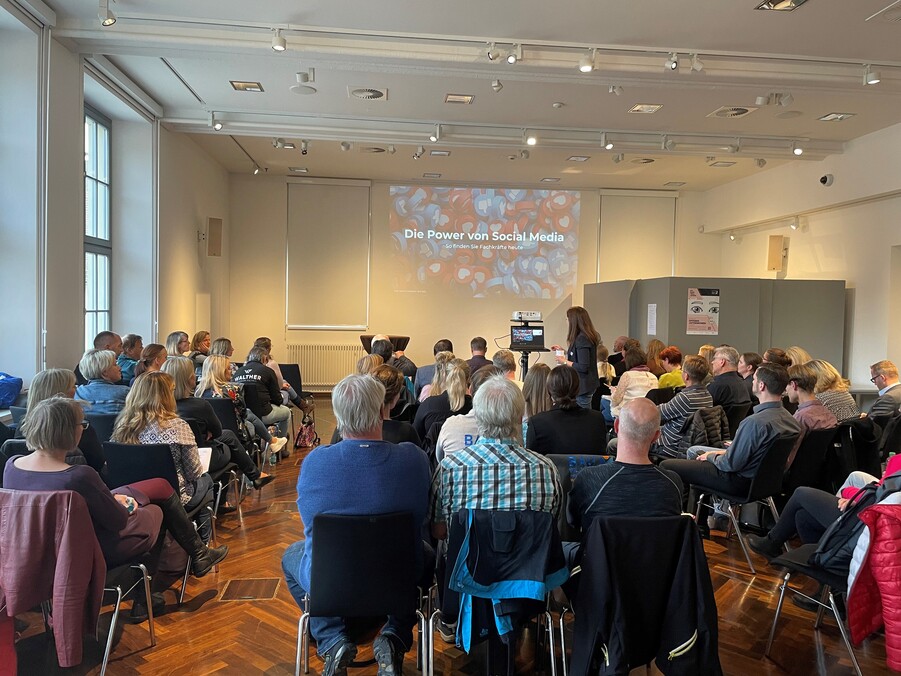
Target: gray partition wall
[754,314]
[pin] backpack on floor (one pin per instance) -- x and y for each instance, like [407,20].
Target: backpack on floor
[306,436]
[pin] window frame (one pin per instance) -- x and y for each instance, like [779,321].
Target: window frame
[93,244]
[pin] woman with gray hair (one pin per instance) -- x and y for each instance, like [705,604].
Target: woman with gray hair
[177,343]
[102,392]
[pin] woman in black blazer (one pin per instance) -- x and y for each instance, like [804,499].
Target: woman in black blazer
[582,342]
[567,428]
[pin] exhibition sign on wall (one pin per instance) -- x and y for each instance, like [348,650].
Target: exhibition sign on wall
[703,312]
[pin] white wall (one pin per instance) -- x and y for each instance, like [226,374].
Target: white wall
[194,289]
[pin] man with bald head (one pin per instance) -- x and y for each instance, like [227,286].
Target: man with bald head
[105,340]
[382,346]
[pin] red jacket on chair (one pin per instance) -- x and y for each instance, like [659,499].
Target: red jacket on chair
[48,550]
[874,596]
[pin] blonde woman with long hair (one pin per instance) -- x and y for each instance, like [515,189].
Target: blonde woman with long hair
[832,390]
[443,364]
[453,400]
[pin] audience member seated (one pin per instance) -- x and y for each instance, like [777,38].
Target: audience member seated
[811,412]
[105,340]
[392,357]
[200,349]
[776,355]
[832,390]
[534,391]
[620,365]
[126,523]
[424,374]
[635,382]
[177,343]
[223,347]
[132,347]
[152,358]
[505,360]
[675,412]
[150,417]
[288,392]
[367,364]
[797,356]
[671,360]
[495,473]
[102,392]
[478,346]
[732,470]
[884,375]
[393,431]
[460,431]
[267,404]
[617,355]
[207,429]
[727,387]
[747,364]
[453,400]
[567,427]
[214,382]
[443,364]
[655,347]
[606,372]
[631,485]
[360,475]
[61,382]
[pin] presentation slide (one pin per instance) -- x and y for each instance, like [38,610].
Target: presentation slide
[485,242]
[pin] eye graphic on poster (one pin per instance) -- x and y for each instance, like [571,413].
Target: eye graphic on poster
[703,312]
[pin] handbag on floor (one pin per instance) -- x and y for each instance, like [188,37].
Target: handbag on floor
[306,436]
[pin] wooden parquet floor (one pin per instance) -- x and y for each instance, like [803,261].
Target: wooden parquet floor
[210,634]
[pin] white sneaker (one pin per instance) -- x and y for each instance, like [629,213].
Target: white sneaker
[277,444]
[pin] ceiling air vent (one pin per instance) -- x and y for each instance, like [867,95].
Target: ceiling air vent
[732,112]
[368,93]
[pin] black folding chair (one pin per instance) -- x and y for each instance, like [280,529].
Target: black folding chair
[661,395]
[344,547]
[766,483]
[568,466]
[809,466]
[9,449]
[102,423]
[18,413]
[798,561]
[890,441]
[735,414]
[130,463]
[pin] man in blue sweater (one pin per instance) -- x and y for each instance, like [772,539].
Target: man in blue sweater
[360,475]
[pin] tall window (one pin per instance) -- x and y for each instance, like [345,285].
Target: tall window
[97,245]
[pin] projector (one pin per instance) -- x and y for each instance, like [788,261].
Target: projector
[526,316]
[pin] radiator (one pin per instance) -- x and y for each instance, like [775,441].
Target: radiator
[322,366]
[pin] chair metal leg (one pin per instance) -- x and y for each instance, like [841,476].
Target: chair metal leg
[782,588]
[421,653]
[236,488]
[112,629]
[700,504]
[563,639]
[551,645]
[824,597]
[184,582]
[741,538]
[300,644]
[146,579]
[430,657]
[844,632]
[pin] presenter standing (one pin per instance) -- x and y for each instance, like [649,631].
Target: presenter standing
[581,352]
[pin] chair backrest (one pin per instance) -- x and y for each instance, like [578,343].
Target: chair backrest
[735,414]
[568,466]
[129,463]
[224,409]
[890,441]
[661,395]
[809,466]
[18,413]
[102,423]
[408,413]
[381,545]
[767,480]
[9,449]
[291,374]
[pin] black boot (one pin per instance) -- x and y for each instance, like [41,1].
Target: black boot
[175,518]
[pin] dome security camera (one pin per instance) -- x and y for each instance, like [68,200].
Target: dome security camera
[827,180]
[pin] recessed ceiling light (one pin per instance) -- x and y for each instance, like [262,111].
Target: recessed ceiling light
[578,158]
[642,160]
[439,153]
[835,117]
[645,107]
[459,98]
[550,179]
[282,144]
[796,149]
[720,164]
[299,170]
[674,184]
[431,174]
[241,86]
[781,5]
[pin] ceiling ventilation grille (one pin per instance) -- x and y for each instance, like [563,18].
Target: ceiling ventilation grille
[368,93]
[732,112]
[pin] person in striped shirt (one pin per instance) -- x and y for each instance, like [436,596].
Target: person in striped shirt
[680,408]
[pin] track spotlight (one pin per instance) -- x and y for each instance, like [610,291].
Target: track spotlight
[529,138]
[105,14]
[435,135]
[785,100]
[734,147]
[497,85]
[870,76]
[345,146]
[696,64]
[672,62]
[214,123]
[514,54]
[797,150]
[279,44]
[493,52]
[762,101]
[304,147]
[586,61]
[606,143]
[760,162]
[524,154]
[666,143]
[796,223]
[619,157]
[282,144]
[419,152]
[256,168]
